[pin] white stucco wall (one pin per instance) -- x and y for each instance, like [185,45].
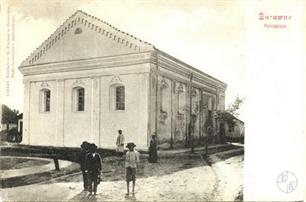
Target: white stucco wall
[133,121]
[98,123]
[77,124]
[42,124]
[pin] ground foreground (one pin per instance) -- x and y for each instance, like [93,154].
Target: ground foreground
[187,178]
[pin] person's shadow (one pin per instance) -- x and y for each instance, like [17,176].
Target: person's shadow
[83,196]
[92,198]
[130,197]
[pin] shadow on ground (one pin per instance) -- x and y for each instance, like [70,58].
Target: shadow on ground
[115,170]
[38,177]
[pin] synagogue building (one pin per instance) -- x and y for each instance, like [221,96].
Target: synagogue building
[90,79]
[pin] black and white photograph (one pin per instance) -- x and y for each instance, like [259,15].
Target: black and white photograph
[131,100]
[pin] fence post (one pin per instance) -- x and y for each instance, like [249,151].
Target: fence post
[56,164]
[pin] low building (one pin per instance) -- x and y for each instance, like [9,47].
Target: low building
[90,79]
[230,127]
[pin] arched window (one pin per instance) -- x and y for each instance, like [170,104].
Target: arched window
[79,99]
[119,98]
[45,100]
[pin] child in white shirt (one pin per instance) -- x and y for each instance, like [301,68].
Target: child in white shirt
[131,160]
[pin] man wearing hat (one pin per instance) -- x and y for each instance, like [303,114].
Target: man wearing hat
[84,153]
[131,160]
[93,168]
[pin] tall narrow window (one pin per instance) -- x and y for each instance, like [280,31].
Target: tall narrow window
[45,100]
[120,98]
[80,99]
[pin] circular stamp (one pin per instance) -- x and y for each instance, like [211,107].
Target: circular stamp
[287,182]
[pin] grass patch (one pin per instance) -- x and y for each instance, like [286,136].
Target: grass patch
[17,163]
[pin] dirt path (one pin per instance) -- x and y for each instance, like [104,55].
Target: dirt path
[194,184]
[229,175]
[185,178]
[181,179]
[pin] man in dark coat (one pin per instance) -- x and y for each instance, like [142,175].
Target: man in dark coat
[84,153]
[93,169]
[153,150]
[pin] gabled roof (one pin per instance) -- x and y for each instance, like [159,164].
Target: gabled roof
[92,23]
[83,36]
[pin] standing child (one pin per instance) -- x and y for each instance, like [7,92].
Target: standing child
[131,160]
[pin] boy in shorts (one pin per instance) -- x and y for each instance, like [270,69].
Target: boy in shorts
[131,160]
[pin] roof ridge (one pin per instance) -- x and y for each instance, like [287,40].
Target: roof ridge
[111,26]
[36,54]
[38,47]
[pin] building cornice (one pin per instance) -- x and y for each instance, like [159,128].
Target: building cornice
[176,66]
[87,64]
[148,57]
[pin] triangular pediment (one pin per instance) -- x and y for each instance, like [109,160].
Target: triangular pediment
[83,36]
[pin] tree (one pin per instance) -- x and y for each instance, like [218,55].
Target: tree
[231,113]
[233,108]
[9,116]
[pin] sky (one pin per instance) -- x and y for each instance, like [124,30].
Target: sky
[209,35]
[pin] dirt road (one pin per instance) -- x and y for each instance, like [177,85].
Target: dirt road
[199,182]
[229,175]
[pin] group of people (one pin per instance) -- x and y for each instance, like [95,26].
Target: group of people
[91,166]
[153,157]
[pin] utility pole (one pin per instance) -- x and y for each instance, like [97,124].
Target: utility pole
[156,96]
[190,114]
[206,144]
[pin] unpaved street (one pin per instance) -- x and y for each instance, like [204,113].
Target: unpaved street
[229,175]
[198,183]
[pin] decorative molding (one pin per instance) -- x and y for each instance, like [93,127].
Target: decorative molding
[88,64]
[195,107]
[116,79]
[173,76]
[78,82]
[163,115]
[194,92]
[180,88]
[175,66]
[44,85]
[183,68]
[163,84]
[80,17]
[78,30]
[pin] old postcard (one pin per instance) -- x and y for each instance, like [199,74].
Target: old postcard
[132,100]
